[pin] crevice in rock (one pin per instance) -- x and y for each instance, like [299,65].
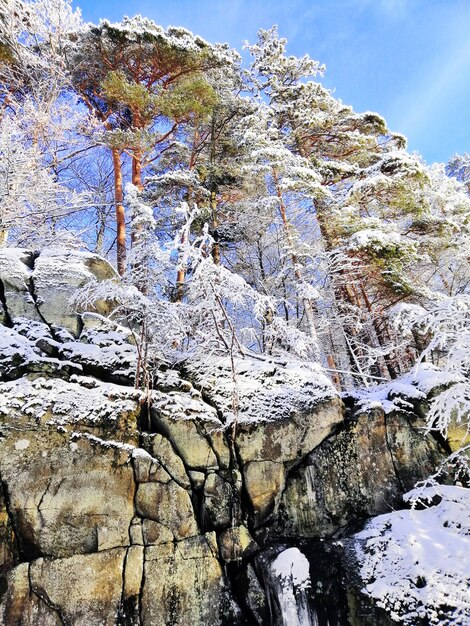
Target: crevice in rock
[129,608]
[441,441]
[144,419]
[134,500]
[244,617]
[102,374]
[236,575]
[35,299]
[80,325]
[246,512]
[141,590]
[197,501]
[389,445]
[43,597]
[3,302]
[27,551]
[15,551]
[42,499]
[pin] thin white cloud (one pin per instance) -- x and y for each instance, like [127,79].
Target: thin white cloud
[389,8]
[435,90]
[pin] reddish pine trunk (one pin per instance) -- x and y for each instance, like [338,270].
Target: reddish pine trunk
[120,215]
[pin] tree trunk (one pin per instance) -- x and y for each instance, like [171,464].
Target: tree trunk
[120,214]
[214,224]
[180,275]
[137,169]
[307,303]
[136,180]
[100,231]
[213,200]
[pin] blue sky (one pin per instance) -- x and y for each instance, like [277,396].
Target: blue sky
[409,60]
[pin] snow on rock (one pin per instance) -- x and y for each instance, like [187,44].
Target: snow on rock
[58,274]
[60,403]
[292,567]
[416,563]
[397,395]
[102,331]
[114,361]
[104,349]
[15,275]
[258,389]
[18,355]
[15,267]
[30,347]
[15,348]
[291,579]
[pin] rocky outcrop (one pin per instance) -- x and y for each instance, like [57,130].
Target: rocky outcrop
[360,472]
[39,286]
[153,507]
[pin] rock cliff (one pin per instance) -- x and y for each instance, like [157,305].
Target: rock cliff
[169,506]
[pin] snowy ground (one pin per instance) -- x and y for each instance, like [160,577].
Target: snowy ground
[416,563]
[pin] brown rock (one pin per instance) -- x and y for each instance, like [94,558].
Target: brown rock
[85,589]
[264,482]
[185,584]
[170,505]
[236,543]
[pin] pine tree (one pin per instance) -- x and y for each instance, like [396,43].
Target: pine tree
[142,83]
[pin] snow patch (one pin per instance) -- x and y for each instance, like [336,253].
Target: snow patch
[416,563]
[396,395]
[260,389]
[292,567]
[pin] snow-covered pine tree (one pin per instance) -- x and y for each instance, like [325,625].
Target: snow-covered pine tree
[142,83]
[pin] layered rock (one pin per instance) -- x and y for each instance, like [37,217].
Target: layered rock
[121,506]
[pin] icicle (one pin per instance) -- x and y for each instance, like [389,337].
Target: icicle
[291,580]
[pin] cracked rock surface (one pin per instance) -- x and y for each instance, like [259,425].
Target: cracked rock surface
[117,511]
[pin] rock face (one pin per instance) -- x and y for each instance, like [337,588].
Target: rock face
[39,286]
[122,507]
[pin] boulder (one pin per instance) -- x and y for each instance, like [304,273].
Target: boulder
[264,482]
[155,533]
[236,543]
[193,428]
[288,439]
[57,275]
[185,584]
[67,498]
[221,501]
[81,404]
[266,389]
